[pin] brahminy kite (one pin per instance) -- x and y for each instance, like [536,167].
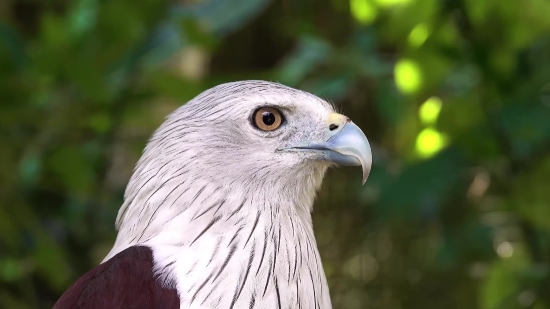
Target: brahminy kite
[217,213]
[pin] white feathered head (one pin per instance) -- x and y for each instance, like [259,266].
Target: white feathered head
[227,183]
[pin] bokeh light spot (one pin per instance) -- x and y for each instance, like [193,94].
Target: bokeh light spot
[408,76]
[505,249]
[419,34]
[389,3]
[362,267]
[429,142]
[429,111]
[363,11]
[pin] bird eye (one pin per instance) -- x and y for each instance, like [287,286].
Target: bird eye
[267,119]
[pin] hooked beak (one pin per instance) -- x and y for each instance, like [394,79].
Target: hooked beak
[347,145]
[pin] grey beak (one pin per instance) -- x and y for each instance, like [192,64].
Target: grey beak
[348,147]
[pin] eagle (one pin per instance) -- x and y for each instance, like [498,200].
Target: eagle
[217,213]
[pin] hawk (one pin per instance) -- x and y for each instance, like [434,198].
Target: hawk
[217,213]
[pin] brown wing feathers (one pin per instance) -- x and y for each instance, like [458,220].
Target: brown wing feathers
[125,281]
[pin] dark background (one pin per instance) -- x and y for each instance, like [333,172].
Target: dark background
[454,96]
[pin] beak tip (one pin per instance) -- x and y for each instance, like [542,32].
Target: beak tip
[366,173]
[352,144]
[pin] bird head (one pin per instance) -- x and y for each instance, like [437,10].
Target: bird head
[260,130]
[242,140]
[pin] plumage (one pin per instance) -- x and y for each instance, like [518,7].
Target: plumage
[225,207]
[131,272]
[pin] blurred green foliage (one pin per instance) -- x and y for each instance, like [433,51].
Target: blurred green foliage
[453,94]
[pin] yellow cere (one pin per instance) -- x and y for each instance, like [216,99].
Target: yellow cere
[336,118]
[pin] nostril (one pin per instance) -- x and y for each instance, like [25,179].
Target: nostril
[333,127]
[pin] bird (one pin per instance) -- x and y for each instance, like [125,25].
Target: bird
[217,212]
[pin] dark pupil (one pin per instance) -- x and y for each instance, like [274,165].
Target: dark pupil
[268,118]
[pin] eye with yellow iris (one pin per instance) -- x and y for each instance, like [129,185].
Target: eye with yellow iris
[267,119]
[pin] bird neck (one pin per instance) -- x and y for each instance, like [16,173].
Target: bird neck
[251,235]
[259,244]
[266,257]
